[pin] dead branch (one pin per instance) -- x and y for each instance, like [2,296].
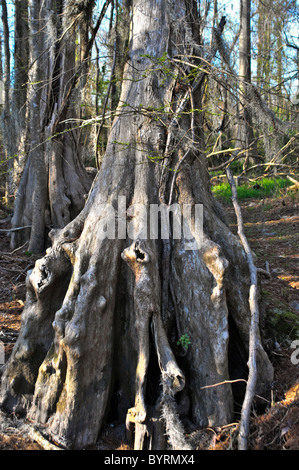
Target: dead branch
[42,441]
[15,228]
[8,253]
[268,165]
[254,310]
[223,383]
[77,74]
[296,183]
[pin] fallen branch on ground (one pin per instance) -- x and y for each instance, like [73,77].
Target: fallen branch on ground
[296,183]
[42,441]
[223,383]
[254,309]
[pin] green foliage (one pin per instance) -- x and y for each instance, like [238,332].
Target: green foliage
[267,187]
[184,341]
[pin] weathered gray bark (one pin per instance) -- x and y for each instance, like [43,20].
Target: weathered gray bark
[108,338]
[54,182]
[245,128]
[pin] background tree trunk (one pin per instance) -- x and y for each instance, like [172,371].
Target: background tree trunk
[245,131]
[54,182]
[105,347]
[14,117]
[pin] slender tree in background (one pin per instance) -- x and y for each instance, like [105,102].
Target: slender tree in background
[245,129]
[118,37]
[275,70]
[14,116]
[104,314]
[6,117]
[54,181]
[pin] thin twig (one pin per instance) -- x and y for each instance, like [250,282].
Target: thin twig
[296,183]
[15,229]
[17,249]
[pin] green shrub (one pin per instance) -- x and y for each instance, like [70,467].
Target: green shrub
[267,187]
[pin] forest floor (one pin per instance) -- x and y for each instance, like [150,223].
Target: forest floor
[271,225]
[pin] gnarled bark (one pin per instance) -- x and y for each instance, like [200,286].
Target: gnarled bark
[108,338]
[54,181]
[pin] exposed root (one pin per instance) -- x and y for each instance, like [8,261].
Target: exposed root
[167,361]
[142,261]
[170,415]
[254,331]
[137,259]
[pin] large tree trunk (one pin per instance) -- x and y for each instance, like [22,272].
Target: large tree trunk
[103,314]
[54,182]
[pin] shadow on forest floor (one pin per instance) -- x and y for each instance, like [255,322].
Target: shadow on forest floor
[271,226]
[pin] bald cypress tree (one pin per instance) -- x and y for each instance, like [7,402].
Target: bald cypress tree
[123,318]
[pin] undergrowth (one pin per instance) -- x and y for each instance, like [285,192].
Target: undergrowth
[266,187]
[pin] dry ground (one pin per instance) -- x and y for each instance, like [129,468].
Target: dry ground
[272,229]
